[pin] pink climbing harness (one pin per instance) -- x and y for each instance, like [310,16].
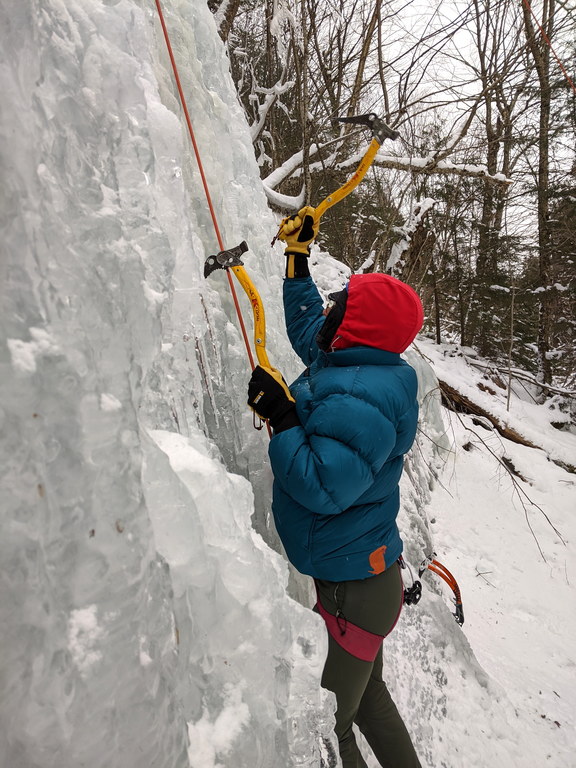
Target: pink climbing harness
[358,642]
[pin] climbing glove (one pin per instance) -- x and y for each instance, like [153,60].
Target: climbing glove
[298,232]
[270,398]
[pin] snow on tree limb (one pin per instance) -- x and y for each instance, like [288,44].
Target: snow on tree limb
[425,165]
[455,398]
[271,95]
[287,169]
[284,202]
[433,167]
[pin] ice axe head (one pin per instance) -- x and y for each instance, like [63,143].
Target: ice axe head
[380,130]
[225,259]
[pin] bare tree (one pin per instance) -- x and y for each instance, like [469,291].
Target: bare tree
[458,82]
[225,13]
[539,48]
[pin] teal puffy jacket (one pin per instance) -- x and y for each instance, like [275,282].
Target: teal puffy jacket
[336,495]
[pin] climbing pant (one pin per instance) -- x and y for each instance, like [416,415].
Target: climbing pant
[361,696]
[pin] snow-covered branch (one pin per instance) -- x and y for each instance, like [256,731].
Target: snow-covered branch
[271,95]
[430,166]
[413,222]
[287,168]
[285,202]
[280,174]
[224,17]
[427,165]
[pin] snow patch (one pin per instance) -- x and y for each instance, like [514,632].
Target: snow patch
[213,736]
[109,402]
[84,634]
[24,354]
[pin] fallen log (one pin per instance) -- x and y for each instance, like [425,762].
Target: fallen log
[456,401]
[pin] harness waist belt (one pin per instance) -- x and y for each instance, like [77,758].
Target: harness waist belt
[358,642]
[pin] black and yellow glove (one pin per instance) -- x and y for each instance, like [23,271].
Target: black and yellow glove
[270,398]
[299,232]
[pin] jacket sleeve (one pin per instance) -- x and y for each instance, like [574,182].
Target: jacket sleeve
[328,464]
[303,307]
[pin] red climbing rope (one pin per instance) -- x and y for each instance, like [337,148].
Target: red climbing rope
[203,176]
[549,44]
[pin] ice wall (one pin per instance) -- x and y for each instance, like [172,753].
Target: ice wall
[135,598]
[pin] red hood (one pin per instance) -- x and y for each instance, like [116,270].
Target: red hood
[381,312]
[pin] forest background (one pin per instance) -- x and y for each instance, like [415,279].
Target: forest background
[475,204]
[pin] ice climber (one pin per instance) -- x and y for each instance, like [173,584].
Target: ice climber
[340,434]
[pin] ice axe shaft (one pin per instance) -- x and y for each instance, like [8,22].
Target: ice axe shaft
[380,132]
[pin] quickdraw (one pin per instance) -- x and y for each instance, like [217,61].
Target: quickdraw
[413,593]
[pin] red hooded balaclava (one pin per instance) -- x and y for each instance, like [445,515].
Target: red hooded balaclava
[381,312]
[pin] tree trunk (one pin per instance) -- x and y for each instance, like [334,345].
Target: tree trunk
[540,52]
[228,20]
[358,81]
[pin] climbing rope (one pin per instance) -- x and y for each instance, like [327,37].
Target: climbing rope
[202,175]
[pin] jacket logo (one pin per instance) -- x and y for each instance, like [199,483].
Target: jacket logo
[377,560]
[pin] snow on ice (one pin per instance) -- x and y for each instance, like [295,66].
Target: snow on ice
[148,615]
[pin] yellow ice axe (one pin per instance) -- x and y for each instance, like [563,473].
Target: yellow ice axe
[380,131]
[230,259]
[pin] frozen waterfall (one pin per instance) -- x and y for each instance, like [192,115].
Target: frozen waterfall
[149,619]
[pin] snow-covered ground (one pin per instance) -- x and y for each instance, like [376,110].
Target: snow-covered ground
[148,617]
[509,540]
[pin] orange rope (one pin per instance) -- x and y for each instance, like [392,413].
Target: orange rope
[547,40]
[203,176]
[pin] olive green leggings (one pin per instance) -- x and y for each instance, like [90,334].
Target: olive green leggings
[361,695]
